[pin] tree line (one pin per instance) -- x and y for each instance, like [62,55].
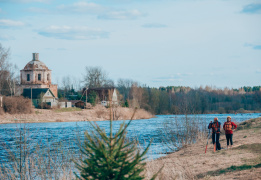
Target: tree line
[163,100]
[171,99]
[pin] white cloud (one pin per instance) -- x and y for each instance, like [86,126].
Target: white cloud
[38,10]
[10,23]
[82,7]
[26,1]
[122,15]
[6,37]
[154,25]
[73,33]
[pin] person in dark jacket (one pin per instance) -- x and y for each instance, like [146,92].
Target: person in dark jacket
[228,127]
[215,126]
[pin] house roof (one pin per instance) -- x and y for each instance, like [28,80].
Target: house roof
[75,101]
[36,92]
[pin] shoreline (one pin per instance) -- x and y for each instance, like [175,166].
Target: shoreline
[191,161]
[98,113]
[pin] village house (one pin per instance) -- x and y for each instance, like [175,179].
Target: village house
[105,95]
[41,97]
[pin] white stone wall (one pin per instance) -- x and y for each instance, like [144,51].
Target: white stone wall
[34,77]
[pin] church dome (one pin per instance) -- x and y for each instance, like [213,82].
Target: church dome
[35,64]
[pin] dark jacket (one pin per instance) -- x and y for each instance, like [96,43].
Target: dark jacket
[215,126]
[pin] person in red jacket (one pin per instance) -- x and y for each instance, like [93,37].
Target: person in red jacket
[228,127]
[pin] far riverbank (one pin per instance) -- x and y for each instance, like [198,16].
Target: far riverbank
[98,113]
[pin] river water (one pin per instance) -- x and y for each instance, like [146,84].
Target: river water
[64,134]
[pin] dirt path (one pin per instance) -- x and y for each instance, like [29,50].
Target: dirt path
[192,162]
[98,113]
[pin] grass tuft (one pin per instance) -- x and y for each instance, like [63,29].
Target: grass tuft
[230,169]
[250,124]
[255,148]
[67,110]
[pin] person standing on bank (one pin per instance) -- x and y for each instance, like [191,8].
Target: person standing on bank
[215,126]
[228,127]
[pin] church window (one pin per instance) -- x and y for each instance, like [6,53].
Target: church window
[28,77]
[48,77]
[39,77]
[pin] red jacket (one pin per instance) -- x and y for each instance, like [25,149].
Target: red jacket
[228,127]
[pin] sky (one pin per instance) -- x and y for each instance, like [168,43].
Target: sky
[155,42]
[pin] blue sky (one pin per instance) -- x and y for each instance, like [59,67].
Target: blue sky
[155,42]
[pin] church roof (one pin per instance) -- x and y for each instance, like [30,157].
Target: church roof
[35,64]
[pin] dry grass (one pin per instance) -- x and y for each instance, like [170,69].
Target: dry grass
[37,161]
[67,109]
[191,162]
[98,113]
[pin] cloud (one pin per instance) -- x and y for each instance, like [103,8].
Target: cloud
[82,7]
[258,71]
[252,8]
[38,10]
[122,15]
[10,23]
[73,33]
[25,1]
[57,49]
[6,37]
[257,47]
[154,25]
[61,49]
[178,77]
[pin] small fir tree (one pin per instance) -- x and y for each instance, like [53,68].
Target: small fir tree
[126,104]
[111,158]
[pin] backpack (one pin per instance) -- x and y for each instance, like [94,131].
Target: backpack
[216,127]
[228,126]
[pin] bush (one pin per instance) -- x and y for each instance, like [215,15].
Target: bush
[241,110]
[111,157]
[17,105]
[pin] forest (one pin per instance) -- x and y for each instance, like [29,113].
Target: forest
[176,99]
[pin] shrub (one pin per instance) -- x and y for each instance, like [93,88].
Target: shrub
[17,105]
[126,104]
[241,110]
[111,157]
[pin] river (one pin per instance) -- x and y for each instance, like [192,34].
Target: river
[64,134]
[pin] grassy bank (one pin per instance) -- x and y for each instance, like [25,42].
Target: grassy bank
[243,161]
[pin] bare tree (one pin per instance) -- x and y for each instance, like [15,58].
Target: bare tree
[8,76]
[4,53]
[96,77]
